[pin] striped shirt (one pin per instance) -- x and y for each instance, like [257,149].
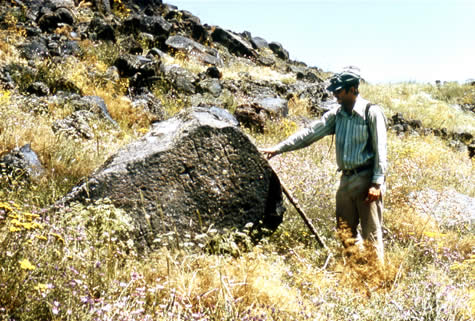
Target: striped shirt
[354,147]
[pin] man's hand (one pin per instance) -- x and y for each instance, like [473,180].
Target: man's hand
[374,193]
[268,152]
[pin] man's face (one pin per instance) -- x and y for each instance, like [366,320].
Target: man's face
[339,95]
[344,96]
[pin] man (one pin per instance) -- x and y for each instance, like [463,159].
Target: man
[361,154]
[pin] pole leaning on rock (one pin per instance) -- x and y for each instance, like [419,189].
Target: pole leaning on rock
[303,215]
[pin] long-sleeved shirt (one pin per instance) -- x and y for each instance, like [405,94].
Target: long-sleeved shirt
[354,146]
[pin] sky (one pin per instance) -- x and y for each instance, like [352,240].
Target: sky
[389,40]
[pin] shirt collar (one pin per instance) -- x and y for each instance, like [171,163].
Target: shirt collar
[359,108]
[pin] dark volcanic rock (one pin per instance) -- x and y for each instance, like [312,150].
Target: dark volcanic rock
[188,173]
[141,70]
[155,25]
[35,48]
[259,43]
[236,44]
[21,163]
[180,78]
[194,49]
[252,116]
[49,19]
[279,50]
[38,88]
[101,29]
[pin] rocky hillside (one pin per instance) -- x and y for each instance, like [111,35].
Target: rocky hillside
[141,43]
[83,81]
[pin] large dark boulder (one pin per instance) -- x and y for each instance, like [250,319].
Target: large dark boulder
[252,116]
[189,173]
[236,44]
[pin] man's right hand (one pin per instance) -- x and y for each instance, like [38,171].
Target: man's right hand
[268,152]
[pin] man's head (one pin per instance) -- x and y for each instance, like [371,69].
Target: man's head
[344,80]
[344,87]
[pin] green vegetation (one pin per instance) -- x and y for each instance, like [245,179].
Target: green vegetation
[79,264]
[435,106]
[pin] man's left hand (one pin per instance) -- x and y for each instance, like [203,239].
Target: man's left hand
[374,193]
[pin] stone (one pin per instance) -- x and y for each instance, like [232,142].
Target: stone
[213,72]
[308,76]
[211,85]
[38,88]
[471,149]
[252,116]
[194,49]
[189,173]
[235,44]
[22,163]
[265,61]
[259,43]
[155,25]
[75,125]
[129,64]
[50,19]
[275,106]
[181,79]
[279,50]
[35,48]
[94,104]
[101,29]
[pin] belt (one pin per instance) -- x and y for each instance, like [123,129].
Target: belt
[350,172]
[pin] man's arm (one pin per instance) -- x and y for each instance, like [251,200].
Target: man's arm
[377,123]
[304,137]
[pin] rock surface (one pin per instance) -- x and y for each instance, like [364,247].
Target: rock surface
[21,163]
[449,208]
[189,173]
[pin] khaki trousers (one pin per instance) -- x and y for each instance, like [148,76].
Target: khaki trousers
[352,209]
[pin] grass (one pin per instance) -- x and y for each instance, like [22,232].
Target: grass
[435,106]
[80,263]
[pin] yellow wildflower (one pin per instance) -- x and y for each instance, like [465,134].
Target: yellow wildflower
[7,207]
[14,229]
[58,237]
[434,234]
[41,287]
[26,265]
[31,216]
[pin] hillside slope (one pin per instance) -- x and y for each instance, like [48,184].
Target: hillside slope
[79,80]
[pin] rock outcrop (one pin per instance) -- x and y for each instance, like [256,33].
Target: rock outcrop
[191,172]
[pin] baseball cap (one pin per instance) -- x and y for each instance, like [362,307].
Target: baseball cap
[341,80]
